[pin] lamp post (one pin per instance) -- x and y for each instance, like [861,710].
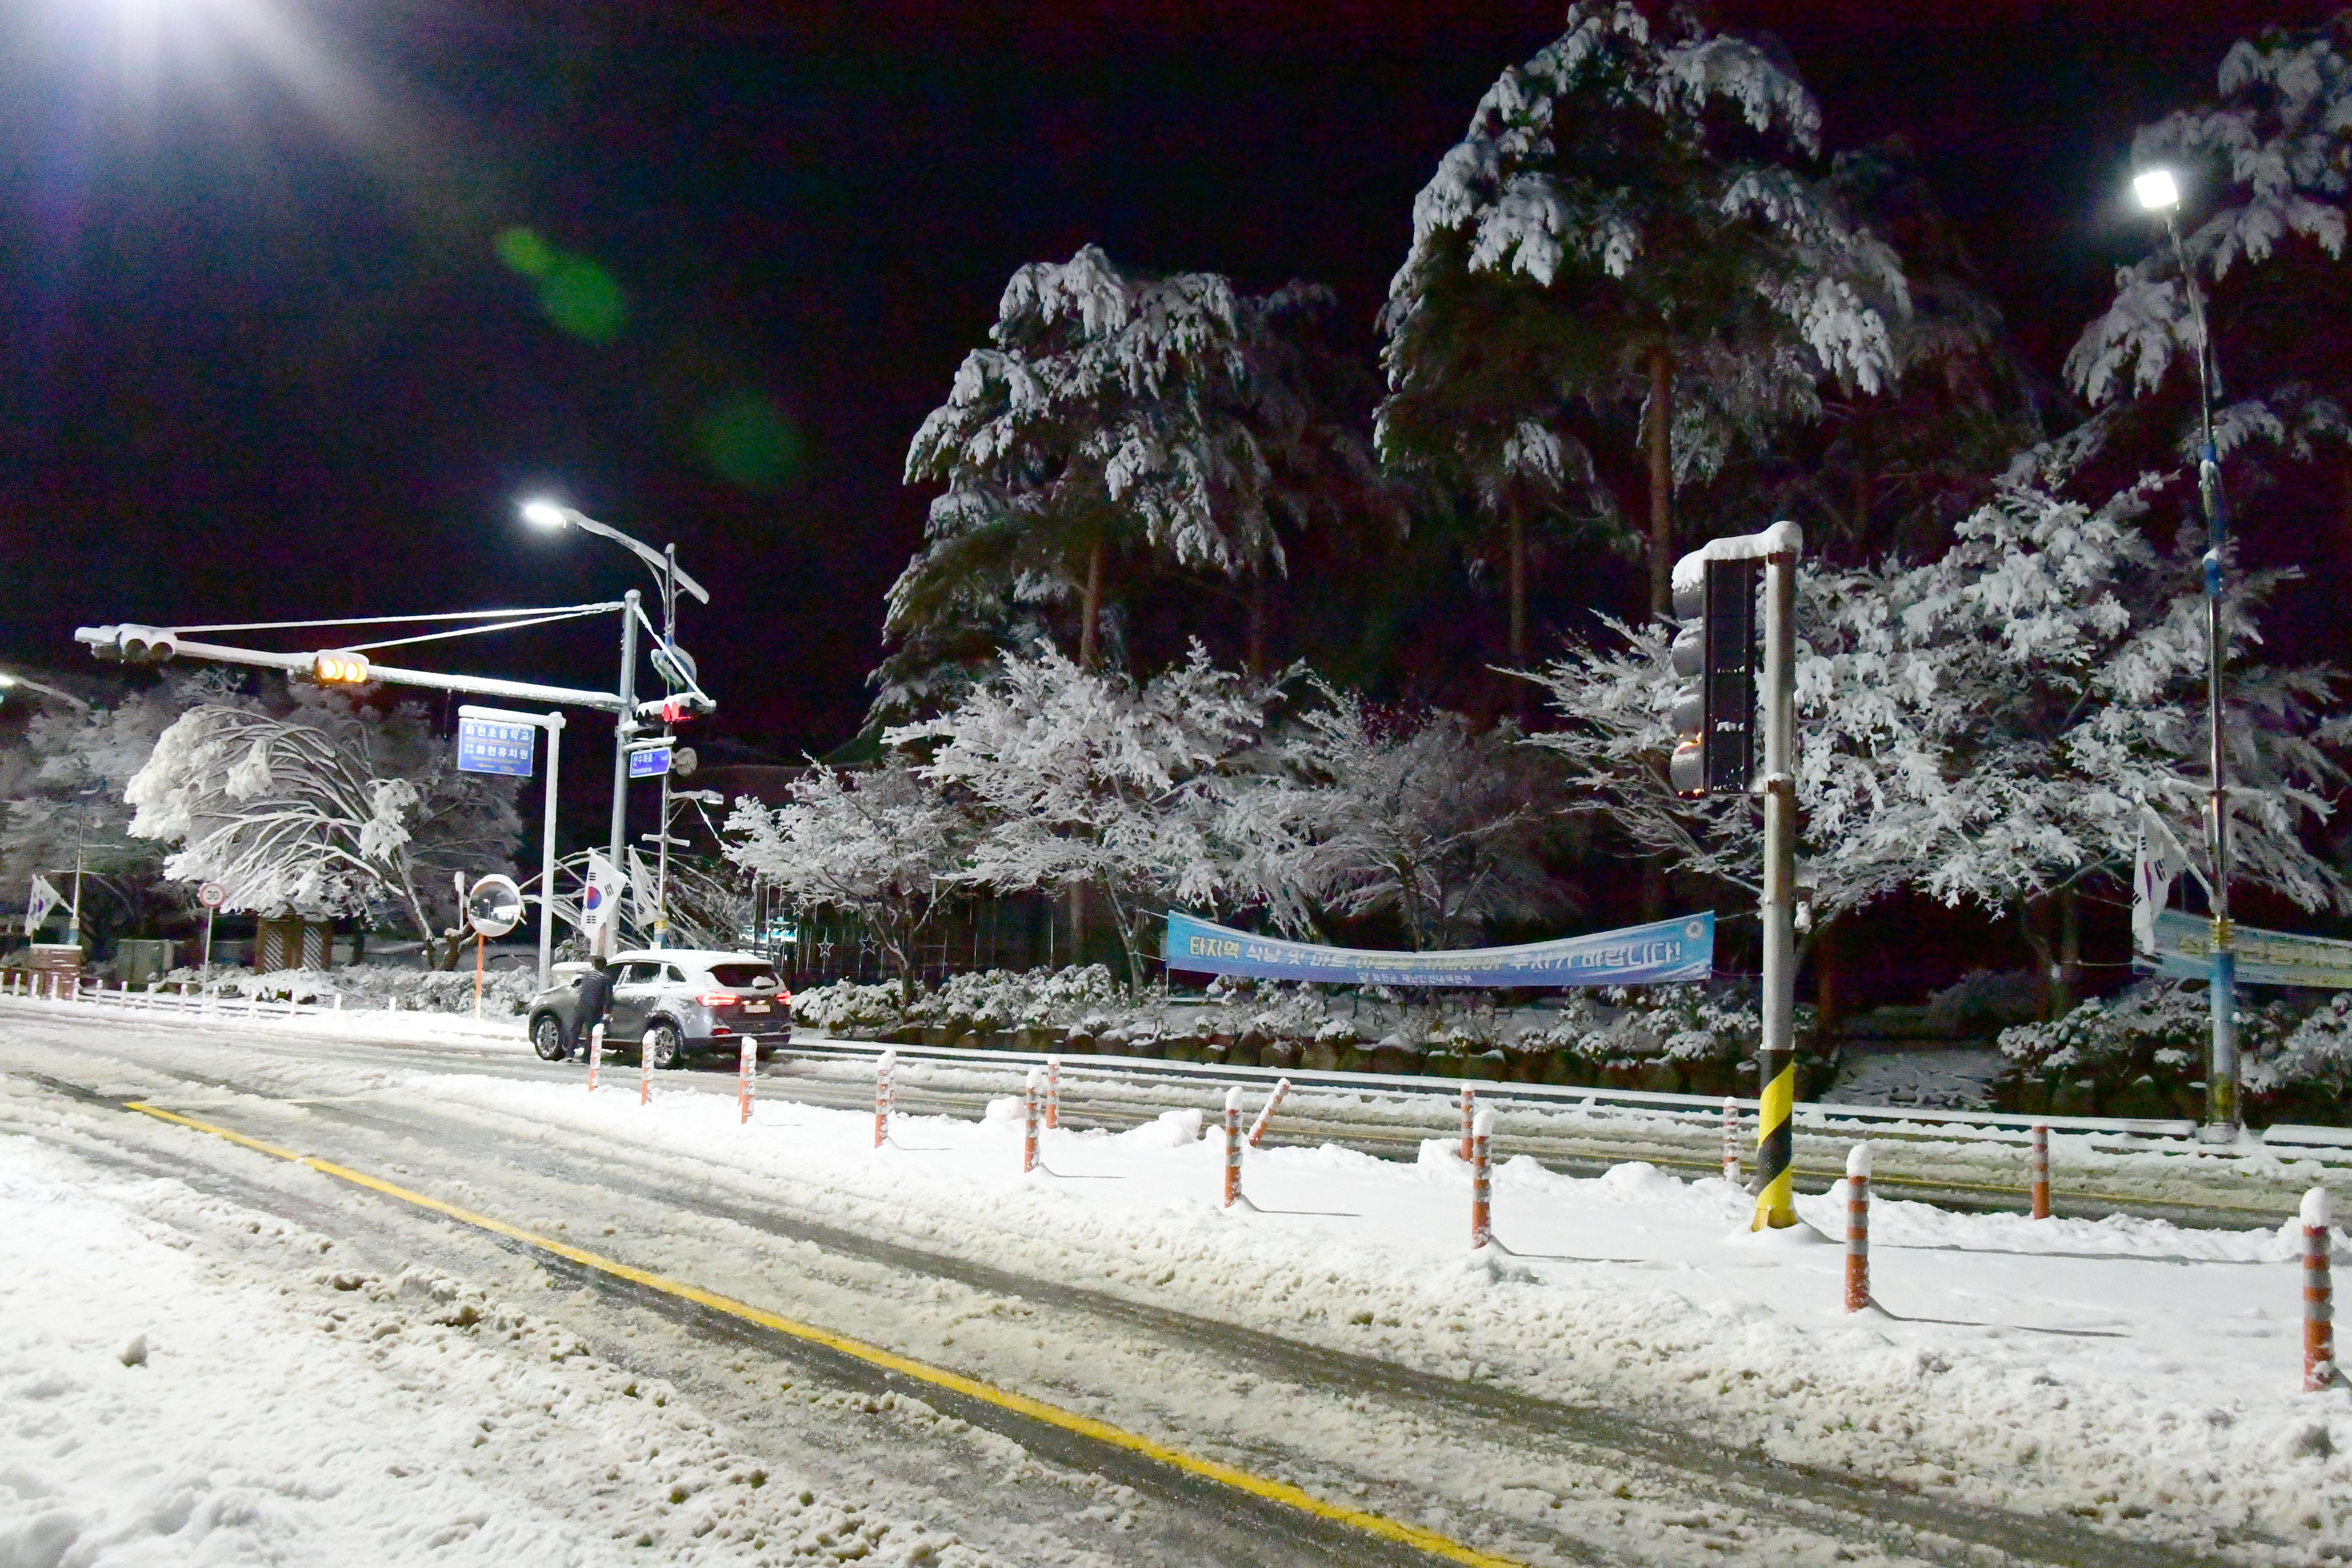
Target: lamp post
[663,564]
[2159,193]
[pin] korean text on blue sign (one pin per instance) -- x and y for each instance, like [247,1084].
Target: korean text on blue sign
[650,763]
[1678,949]
[494,746]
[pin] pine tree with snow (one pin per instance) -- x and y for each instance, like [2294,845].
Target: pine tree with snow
[1114,414]
[1624,222]
[323,807]
[885,847]
[2268,163]
[1087,778]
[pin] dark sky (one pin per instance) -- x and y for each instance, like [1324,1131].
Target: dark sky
[262,355]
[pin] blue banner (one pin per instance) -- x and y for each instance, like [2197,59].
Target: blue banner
[1663,950]
[649,763]
[2184,951]
[493,746]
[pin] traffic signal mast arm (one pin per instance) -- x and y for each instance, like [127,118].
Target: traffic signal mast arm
[140,644]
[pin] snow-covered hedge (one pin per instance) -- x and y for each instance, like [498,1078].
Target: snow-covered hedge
[505,992]
[2142,1053]
[981,1000]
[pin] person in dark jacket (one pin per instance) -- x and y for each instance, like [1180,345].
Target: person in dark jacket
[595,1002]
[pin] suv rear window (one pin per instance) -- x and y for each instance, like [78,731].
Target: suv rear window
[744,977]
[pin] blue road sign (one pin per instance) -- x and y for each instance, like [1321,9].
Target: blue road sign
[493,746]
[650,763]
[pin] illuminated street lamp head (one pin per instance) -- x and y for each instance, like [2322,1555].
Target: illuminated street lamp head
[544,514]
[2157,190]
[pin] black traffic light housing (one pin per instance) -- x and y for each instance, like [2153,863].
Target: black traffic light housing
[1715,654]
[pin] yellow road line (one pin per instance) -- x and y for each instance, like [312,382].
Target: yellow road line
[1257,1486]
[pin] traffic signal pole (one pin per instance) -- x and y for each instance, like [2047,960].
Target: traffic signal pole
[1715,753]
[624,732]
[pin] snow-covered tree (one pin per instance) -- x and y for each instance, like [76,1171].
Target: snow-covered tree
[885,847]
[1113,413]
[1624,222]
[2268,165]
[1424,815]
[1088,778]
[1984,727]
[64,783]
[329,808]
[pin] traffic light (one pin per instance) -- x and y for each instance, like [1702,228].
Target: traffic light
[1715,655]
[339,669]
[136,645]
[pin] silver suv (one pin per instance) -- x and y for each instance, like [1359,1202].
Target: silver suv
[687,999]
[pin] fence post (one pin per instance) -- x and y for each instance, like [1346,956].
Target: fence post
[2039,1171]
[1731,1140]
[1232,1146]
[882,1097]
[1257,1128]
[1029,1123]
[596,1053]
[1053,1093]
[1482,1190]
[743,1074]
[1469,1116]
[2318,1293]
[1857,1228]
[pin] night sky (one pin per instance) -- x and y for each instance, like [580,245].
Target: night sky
[299,298]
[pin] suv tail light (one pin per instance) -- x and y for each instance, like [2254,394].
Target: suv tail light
[718,998]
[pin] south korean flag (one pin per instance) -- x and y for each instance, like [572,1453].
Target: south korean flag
[2157,862]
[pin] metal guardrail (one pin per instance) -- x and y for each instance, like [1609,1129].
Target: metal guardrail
[2002,1127]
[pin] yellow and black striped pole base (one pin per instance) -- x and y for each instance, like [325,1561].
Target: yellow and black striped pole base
[1775,1140]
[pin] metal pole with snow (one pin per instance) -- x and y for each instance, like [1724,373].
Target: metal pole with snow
[1232,1146]
[1029,1123]
[1857,1228]
[1257,1128]
[1715,582]
[1482,1189]
[2318,1293]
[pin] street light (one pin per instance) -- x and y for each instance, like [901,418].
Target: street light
[2158,192]
[551,515]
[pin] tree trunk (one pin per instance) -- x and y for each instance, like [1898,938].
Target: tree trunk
[1518,592]
[2069,948]
[1078,924]
[1091,612]
[2034,917]
[1861,510]
[1654,892]
[1257,609]
[1829,1005]
[1661,481]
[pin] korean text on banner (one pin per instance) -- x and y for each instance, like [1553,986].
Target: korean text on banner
[1678,949]
[2184,951]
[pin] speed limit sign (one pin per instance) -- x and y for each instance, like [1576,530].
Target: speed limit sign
[212,895]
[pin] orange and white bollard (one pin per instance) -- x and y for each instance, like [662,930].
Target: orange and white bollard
[1482,1188]
[646,1070]
[1232,1146]
[1731,1140]
[1053,1093]
[1257,1128]
[2318,1293]
[1857,1228]
[882,1097]
[744,1067]
[2038,1170]
[1029,1123]
[595,1055]
[1469,1116]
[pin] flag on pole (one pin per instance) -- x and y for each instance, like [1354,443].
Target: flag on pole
[642,888]
[2158,861]
[36,907]
[600,901]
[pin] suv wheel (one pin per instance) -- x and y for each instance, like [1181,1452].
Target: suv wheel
[663,1042]
[547,1037]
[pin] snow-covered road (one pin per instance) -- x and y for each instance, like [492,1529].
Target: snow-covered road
[325,1367]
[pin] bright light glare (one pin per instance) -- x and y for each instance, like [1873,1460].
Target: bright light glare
[543,514]
[2157,190]
[6,678]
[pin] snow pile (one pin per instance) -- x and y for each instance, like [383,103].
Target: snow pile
[158,1408]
